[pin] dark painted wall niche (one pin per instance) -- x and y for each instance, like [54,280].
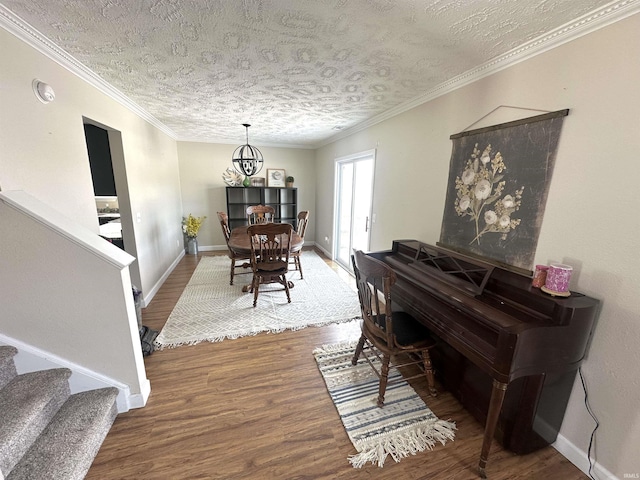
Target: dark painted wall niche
[97,138]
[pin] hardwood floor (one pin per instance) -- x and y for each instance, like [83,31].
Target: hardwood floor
[257,408]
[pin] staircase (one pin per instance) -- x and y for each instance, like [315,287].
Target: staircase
[46,433]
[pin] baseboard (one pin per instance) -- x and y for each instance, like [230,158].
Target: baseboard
[211,248]
[139,400]
[579,459]
[32,359]
[146,298]
[325,252]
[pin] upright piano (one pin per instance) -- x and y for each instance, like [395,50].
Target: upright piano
[507,351]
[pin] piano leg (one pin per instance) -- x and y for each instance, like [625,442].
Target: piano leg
[495,405]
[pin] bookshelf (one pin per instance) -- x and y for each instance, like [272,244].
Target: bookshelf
[283,200]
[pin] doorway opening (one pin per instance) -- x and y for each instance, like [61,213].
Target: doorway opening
[111,189]
[354,198]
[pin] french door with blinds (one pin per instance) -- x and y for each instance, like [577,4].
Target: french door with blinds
[354,192]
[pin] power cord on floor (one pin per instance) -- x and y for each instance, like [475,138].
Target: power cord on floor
[593,433]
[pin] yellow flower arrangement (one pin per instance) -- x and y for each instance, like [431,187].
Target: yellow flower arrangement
[191,225]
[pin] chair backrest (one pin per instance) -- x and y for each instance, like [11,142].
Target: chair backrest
[270,245]
[224,223]
[374,280]
[260,214]
[303,220]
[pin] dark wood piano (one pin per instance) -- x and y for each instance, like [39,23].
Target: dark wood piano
[506,350]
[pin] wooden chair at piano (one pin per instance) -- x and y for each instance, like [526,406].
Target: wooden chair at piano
[270,255]
[224,223]
[386,333]
[303,220]
[260,214]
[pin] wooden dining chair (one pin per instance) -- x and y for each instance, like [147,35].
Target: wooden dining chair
[270,255]
[303,220]
[260,214]
[387,333]
[224,223]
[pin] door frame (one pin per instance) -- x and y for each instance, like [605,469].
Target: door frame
[352,158]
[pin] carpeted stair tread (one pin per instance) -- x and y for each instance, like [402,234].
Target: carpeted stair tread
[27,405]
[67,447]
[7,367]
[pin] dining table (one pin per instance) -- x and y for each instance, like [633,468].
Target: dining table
[240,243]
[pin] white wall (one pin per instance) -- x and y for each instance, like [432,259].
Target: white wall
[66,293]
[590,220]
[203,190]
[44,154]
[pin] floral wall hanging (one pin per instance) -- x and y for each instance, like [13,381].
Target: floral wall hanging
[499,179]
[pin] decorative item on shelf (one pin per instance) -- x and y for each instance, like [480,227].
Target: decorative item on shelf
[539,276]
[558,277]
[190,227]
[258,182]
[290,181]
[231,177]
[247,159]
[275,177]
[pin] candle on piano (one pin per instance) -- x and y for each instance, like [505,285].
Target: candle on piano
[558,277]
[540,276]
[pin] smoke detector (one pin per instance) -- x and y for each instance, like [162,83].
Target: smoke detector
[44,92]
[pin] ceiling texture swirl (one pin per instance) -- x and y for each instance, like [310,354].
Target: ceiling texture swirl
[301,72]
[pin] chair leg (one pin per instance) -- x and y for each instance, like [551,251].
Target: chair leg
[255,284]
[233,266]
[384,376]
[286,287]
[359,349]
[299,267]
[428,371]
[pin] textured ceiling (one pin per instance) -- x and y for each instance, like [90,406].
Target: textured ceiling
[297,70]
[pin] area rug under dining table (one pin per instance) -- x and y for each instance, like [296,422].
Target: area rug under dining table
[210,309]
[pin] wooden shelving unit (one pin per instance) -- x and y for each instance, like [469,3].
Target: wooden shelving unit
[283,200]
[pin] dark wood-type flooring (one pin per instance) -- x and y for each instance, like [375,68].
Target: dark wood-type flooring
[257,408]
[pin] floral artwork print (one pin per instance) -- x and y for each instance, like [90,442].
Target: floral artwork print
[480,189]
[499,180]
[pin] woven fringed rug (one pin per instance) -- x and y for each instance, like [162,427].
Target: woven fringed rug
[210,309]
[403,427]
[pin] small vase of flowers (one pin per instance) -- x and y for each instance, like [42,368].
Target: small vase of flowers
[190,227]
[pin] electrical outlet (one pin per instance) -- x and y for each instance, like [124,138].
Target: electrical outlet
[326,239]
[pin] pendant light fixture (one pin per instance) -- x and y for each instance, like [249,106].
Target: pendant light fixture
[247,159]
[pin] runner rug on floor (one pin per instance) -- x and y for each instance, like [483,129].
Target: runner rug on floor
[210,309]
[403,426]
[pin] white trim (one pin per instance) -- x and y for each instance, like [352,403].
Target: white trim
[25,32]
[580,460]
[351,158]
[577,28]
[324,250]
[599,18]
[139,400]
[212,248]
[65,227]
[146,299]
[31,359]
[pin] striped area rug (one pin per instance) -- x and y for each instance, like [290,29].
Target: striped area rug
[403,427]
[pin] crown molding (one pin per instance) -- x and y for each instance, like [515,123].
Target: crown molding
[236,142]
[32,37]
[597,19]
